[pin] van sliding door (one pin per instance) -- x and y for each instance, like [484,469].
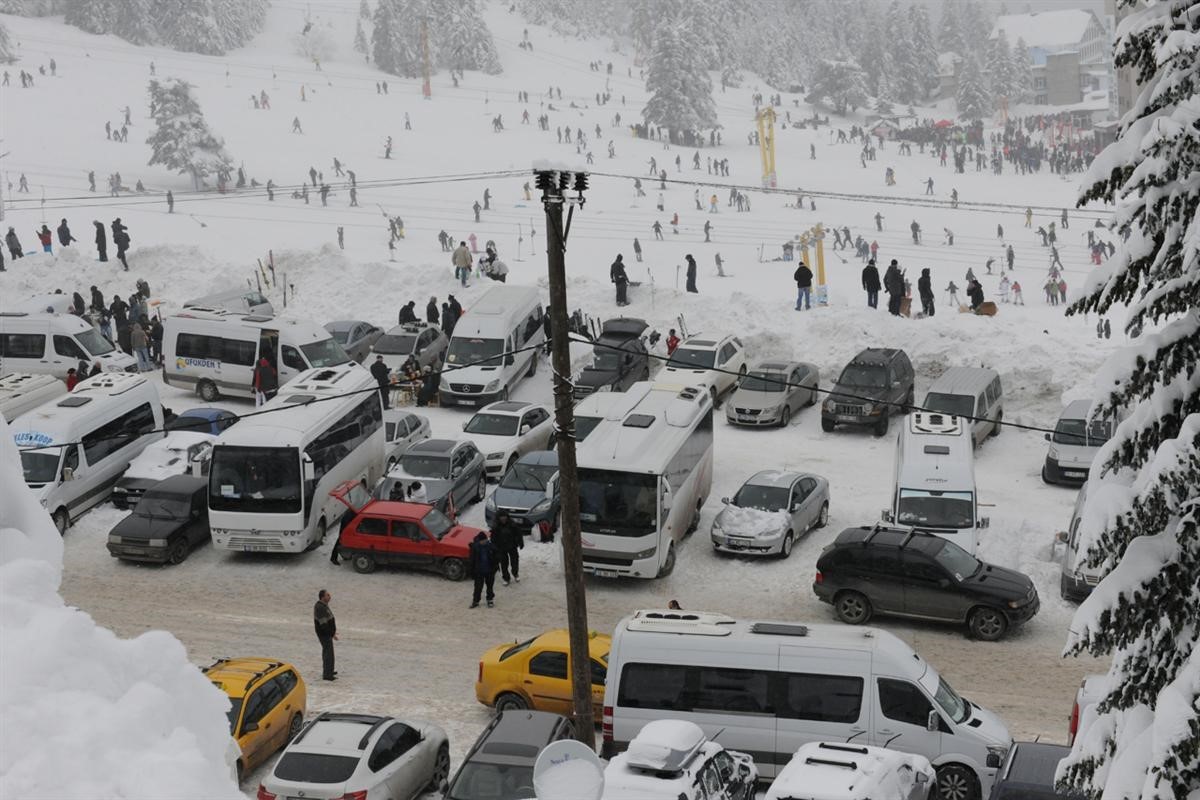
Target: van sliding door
[268,348]
[821,696]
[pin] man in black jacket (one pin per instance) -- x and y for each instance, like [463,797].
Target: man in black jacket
[407,314]
[925,290]
[482,562]
[691,274]
[382,376]
[893,284]
[508,540]
[431,311]
[326,628]
[617,273]
[975,292]
[101,240]
[803,277]
[870,283]
[64,234]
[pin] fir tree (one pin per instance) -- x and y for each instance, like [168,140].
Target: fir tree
[876,58]
[1022,64]
[181,140]
[364,10]
[98,16]
[1141,520]
[924,50]
[461,38]
[8,53]
[680,89]
[360,38]
[976,25]
[1000,68]
[840,83]
[396,39]
[905,80]
[950,29]
[972,97]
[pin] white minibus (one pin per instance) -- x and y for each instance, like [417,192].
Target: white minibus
[51,344]
[482,364]
[21,392]
[969,392]
[73,449]
[239,301]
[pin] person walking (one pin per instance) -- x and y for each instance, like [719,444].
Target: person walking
[120,234]
[266,381]
[691,274]
[508,541]
[14,244]
[326,627]
[870,283]
[916,232]
[925,290]
[803,277]
[477,208]
[482,560]
[382,376]
[170,202]
[461,259]
[637,249]
[141,346]
[620,279]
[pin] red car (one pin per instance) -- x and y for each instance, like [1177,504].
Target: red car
[404,534]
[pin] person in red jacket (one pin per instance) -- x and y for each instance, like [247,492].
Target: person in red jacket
[72,379]
[266,381]
[672,341]
[45,237]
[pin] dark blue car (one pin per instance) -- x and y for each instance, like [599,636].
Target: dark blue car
[202,420]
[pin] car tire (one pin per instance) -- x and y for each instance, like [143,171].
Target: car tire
[62,521]
[363,563]
[828,425]
[294,726]
[178,552]
[454,569]
[481,489]
[511,701]
[881,427]
[669,565]
[1046,476]
[441,770]
[240,769]
[816,391]
[208,391]
[785,416]
[320,540]
[955,782]
[852,608]
[998,426]
[822,516]
[532,366]
[785,549]
[987,624]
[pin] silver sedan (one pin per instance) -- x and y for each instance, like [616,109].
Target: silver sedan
[770,511]
[771,392]
[355,336]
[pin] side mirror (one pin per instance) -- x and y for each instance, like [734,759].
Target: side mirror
[307,468]
[886,515]
[509,360]
[524,430]
[666,501]
[932,721]
[921,778]
[985,522]
[454,473]
[1046,436]
[943,583]
[250,727]
[68,474]
[725,500]
[1061,536]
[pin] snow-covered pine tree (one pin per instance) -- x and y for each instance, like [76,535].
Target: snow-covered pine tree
[924,50]
[905,81]
[360,38]
[461,38]
[396,39]
[1022,63]
[951,38]
[679,86]
[212,27]
[976,26]
[838,83]
[1141,519]
[972,98]
[181,139]
[364,10]
[8,53]
[1001,69]
[874,56]
[96,16]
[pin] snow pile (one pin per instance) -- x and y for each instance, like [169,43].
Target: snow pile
[86,714]
[754,522]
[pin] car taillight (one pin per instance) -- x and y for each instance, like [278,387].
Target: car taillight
[355,795]
[1073,728]
[606,724]
[819,578]
[263,794]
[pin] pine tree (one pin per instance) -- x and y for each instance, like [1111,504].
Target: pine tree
[98,16]
[874,56]
[950,30]
[924,50]
[396,39]
[840,83]
[680,89]
[364,10]
[8,53]
[972,97]
[976,26]
[181,139]
[905,81]
[1000,67]
[1022,64]
[1141,520]
[360,38]
[461,38]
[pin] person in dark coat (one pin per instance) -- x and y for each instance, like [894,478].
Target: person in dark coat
[893,284]
[407,314]
[14,244]
[618,276]
[326,627]
[870,283]
[975,292]
[925,290]
[266,381]
[429,386]
[120,235]
[803,277]
[691,274]
[431,311]
[156,339]
[120,314]
[482,562]
[77,305]
[508,540]
[382,376]
[97,300]
[64,234]
[101,240]
[455,307]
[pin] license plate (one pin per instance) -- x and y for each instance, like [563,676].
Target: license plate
[745,418]
[607,573]
[1072,473]
[848,418]
[520,521]
[254,548]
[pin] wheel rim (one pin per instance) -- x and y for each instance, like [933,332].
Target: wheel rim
[953,785]
[294,728]
[441,770]
[852,608]
[988,624]
[178,552]
[787,544]
[824,516]
[785,417]
[454,569]
[363,563]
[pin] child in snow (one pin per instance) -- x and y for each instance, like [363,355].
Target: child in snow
[1018,300]
[1004,287]
[953,290]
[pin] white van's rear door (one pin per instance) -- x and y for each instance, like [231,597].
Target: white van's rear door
[824,696]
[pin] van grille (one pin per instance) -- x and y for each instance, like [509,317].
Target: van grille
[466,388]
[611,562]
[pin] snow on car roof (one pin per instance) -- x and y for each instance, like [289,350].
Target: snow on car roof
[665,745]
[837,771]
[773,477]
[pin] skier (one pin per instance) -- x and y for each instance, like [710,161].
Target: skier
[929,186]
[101,240]
[949,236]
[707,230]
[487,200]
[637,249]
[657,228]
[878,221]
[618,277]
[925,290]
[477,208]
[691,273]
[1018,298]
[296,125]
[720,265]
[1028,217]
[1004,289]
[341,234]
[325,194]
[803,277]
[870,283]
[916,232]
[170,202]
[92,180]
[1010,257]
[953,290]
[120,237]
[64,234]
[999,231]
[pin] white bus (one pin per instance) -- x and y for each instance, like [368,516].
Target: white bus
[271,474]
[644,473]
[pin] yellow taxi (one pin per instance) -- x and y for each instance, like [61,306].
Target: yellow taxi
[268,700]
[537,673]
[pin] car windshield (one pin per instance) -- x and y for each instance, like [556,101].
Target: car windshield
[465,352]
[478,780]
[235,711]
[425,466]
[437,523]
[955,707]
[865,376]
[923,509]
[1079,432]
[764,382]
[315,768]
[94,343]
[584,426]
[689,358]
[486,424]
[162,505]
[529,477]
[618,503]
[960,405]
[189,422]
[256,479]
[325,353]
[395,345]
[341,336]
[40,466]
[957,561]
[607,359]
[766,498]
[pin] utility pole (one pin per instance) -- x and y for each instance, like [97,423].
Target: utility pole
[554,185]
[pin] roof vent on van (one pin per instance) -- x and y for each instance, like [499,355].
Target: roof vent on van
[935,422]
[937,450]
[699,623]
[295,399]
[74,401]
[639,421]
[779,629]
[689,393]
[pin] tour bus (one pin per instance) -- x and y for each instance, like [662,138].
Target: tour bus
[934,479]
[271,474]
[766,688]
[214,352]
[51,344]
[482,364]
[644,473]
[74,448]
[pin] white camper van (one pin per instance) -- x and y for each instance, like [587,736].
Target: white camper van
[21,392]
[970,392]
[239,301]
[214,352]
[51,344]
[934,479]
[766,688]
[74,449]
[481,363]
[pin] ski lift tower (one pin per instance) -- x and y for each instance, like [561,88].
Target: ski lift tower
[766,145]
[816,237]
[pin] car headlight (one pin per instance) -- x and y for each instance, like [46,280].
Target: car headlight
[157,542]
[605,388]
[645,554]
[828,405]
[872,409]
[1053,453]
[495,456]
[542,505]
[114,539]
[490,505]
[493,386]
[717,530]
[995,755]
[443,383]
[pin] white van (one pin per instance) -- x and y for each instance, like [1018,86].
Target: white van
[75,448]
[766,688]
[1078,579]
[841,771]
[969,392]
[51,344]
[933,486]
[481,365]
[20,392]
[214,352]
[1073,446]
[239,301]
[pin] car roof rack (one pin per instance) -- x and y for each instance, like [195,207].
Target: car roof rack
[845,748]
[829,762]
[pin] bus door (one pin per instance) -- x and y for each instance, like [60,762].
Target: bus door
[268,348]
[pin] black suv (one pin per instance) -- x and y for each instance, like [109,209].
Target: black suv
[1028,774]
[500,763]
[619,358]
[169,520]
[910,573]
[876,383]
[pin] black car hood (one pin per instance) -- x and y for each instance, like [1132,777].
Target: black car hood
[857,394]
[591,376]
[999,582]
[136,526]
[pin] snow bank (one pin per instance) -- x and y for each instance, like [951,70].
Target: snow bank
[87,714]
[753,521]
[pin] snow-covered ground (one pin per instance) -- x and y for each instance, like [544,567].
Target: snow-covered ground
[409,645]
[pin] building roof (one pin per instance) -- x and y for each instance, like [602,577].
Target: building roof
[1048,29]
